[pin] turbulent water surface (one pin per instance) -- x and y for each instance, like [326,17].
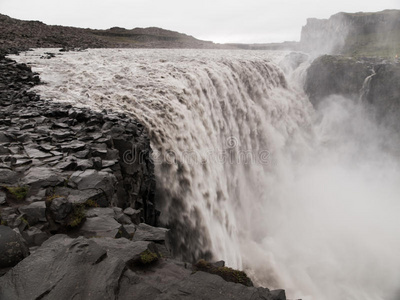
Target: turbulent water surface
[248,171]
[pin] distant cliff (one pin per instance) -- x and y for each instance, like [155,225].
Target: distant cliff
[17,34]
[356,34]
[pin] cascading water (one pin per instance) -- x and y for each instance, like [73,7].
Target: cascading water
[248,171]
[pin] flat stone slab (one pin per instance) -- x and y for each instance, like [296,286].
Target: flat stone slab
[35,153]
[146,232]
[35,210]
[100,222]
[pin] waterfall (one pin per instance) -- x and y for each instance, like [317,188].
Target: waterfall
[248,171]
[366,85]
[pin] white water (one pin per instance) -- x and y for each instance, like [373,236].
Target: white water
[315,208]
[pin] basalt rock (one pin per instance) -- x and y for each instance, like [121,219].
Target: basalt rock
[56,151]
[107,268]
[12,247]
[373,81]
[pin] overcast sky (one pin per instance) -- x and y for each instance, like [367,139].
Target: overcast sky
[246,21]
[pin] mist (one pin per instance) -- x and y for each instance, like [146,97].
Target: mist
[333,227]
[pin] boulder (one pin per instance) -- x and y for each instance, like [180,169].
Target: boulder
[100,222]
[8,176]
[40,177]
[134,214]
[12,248]
[146,232]
[123,219]
[90,179]
[278,294]
[34,212]
[34,236]
[64,268]
[60,208]
[124,249]
[129,230]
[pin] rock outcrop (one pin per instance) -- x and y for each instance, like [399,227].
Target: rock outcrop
[69,170]
[13,248]
[372,34]
[56,159]
[107,268]
[373,81]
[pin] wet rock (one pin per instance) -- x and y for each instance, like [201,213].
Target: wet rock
[97,163]
[69,164]
[100,222]
[38,196]
[124,249]
[123,219]
[95,180]
[146,232]
[134,214]
[17,221]
[2,198]
[130,230]
[60,208]
[278,294]
[35,153]
[61,135]
[12,248]
[174,281]
[4,150]
[34,212]
[63,268]
[40,177]
[74,146]
[8,176]
[34,236]
[81,154]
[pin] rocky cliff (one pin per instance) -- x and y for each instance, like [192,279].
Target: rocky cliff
[375,81]
[357,34]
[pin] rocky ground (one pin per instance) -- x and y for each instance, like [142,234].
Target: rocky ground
[17,34]
[77,208]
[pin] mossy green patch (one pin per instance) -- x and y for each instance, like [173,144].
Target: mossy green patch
[77,216]
[226,273]
[91,203]
[148,257]
[18,192]
[52,197]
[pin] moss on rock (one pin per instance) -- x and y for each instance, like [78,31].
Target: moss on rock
[228,274]
[18,192]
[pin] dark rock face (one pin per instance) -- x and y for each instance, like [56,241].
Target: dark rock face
[330,75]
[374,81]
[76,157]
[12,247]
[376,34]
[384,93]
[106,268]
